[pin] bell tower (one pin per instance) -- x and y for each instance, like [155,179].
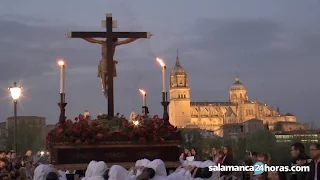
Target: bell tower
[179,107]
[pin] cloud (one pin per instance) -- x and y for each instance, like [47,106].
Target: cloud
[29,53]
[31,50]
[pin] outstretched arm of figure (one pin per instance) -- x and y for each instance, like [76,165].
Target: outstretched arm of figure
[127,41]
[91,40]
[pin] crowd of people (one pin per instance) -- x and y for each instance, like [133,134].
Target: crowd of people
[192,166]
[13,167]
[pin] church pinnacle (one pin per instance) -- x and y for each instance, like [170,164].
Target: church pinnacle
[178,59]
[237,78]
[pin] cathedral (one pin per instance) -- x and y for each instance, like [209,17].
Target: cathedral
[212,115]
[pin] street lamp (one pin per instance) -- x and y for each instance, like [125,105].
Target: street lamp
[62,104]
[164,102]
[15,94]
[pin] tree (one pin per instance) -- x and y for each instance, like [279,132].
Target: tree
[191,137]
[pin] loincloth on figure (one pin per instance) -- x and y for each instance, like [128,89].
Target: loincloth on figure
[103,68]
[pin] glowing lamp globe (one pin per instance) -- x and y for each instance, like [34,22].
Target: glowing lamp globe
[15,91]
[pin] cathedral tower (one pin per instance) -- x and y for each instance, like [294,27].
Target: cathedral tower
[238,92]
[179,107]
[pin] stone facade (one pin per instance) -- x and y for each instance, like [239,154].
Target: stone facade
[31,132]
[236,130]
[212,115]
[292,126]
[3,136]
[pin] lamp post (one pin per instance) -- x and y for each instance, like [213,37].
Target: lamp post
[164,102]
[145,109]
[62,104]
[15,94]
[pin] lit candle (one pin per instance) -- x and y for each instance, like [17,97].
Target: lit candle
[144,97]
[163,66]
[62,76]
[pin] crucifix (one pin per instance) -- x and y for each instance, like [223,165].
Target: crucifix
[106,68]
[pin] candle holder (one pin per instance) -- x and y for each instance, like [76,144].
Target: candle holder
[145,111]
[62,104]
[165,105]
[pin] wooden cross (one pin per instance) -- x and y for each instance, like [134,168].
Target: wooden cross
[109,35]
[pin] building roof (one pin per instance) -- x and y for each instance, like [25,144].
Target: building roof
[254,119]
[290,122]
[298,132]
[289,114]
[237,85]
[210,103]
[29,117]
[232,125]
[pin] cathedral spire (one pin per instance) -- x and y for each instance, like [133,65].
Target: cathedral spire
[237,79]
[178,59]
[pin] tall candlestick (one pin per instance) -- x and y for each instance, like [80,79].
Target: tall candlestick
[144,100]
[163,66]
[144,97]
[164,79]
[62,76]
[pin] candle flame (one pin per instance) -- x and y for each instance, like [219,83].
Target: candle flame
[61,63]
[136,123]
[160,61]
[142,92]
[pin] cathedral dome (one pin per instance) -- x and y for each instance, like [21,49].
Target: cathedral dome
[237,85]
[178,76]
[178,69]
[238,92]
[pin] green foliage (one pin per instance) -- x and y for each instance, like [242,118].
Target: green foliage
[191,137]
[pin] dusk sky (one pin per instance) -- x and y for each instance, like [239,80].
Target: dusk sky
[273,45]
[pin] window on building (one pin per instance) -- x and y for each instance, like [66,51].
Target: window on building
[184,96]
[178,95]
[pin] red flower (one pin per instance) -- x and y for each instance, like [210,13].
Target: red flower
[130,135]
[99,136]
[82,130]
[142,140]
[59,130]
[84,135]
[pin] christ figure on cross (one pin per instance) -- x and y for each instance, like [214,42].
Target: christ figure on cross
[102,67]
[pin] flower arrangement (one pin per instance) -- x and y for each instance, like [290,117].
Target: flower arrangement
[81,130]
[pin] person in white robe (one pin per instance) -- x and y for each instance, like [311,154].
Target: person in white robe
[215,174]
[159,168]
[98,170]
[189,170]
[41,172]
[62,174]
[138,168]
[117,172]
[89,170]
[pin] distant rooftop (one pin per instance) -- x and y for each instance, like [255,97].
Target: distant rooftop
[21,117]
[298,132]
